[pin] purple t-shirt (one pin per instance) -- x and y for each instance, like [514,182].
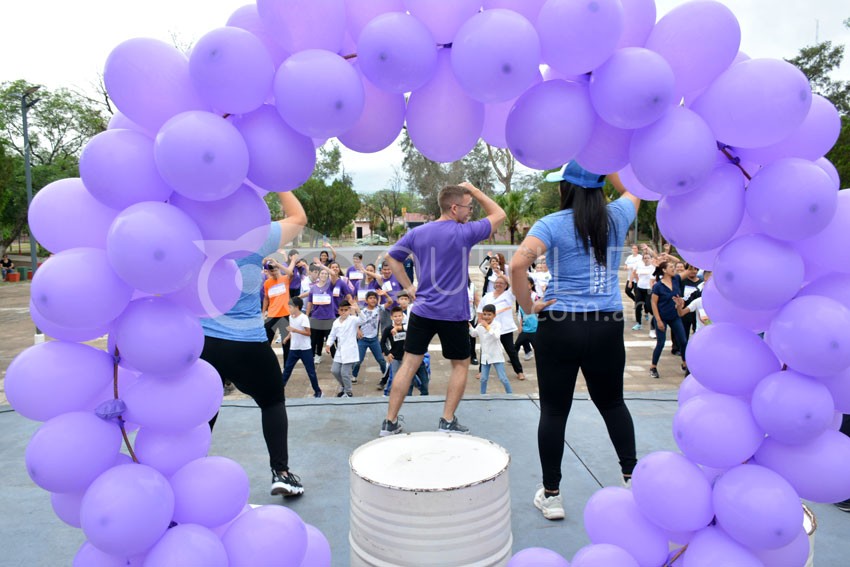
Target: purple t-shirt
[362,285]
[338,292]
[392,286]
[324,309]
[441,250]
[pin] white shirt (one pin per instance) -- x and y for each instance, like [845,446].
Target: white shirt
[491,345]
[696,307]
[298,341]
[644,274]
[369,321]
[345,333]
[505,318]
[541,280]
[633,262]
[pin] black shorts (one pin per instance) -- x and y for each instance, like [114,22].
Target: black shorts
[454,336]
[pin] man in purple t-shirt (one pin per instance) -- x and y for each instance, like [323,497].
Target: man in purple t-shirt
[441,250]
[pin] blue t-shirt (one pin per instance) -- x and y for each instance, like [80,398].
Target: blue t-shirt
[579,284]
[529,322]
[666,305]
[244,322]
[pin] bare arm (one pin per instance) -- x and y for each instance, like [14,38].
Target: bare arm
[265,307]
[621,189]
[495,214]
[296,218]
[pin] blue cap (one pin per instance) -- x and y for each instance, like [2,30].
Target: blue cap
[577,175]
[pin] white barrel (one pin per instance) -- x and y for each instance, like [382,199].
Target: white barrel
[430,499]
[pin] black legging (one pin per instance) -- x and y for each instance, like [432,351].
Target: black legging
[641,296]
[254,369]
[507,341]
[524,340]
[269,325]
[592,342]
[319,331]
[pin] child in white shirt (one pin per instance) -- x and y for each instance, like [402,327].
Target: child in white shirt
[344,332]
[489,332]
[300,347]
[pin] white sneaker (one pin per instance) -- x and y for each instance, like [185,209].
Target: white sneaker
[528,355]
[652,334]
[278,340]
[551,506]
[317,360]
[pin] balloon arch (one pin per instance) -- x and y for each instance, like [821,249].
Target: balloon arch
[731,146]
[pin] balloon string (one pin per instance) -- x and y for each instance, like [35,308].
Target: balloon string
[676,557]
[115,359]
[350,56]
[736,161]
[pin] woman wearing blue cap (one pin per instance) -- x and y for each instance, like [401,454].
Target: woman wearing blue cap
[580,322]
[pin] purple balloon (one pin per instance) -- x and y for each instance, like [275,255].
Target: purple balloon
[232,70]
[809,334]
[612,516]
[121,122]
[118,169]
[69,451]
[716,430]
[167,451]
[304,24]
[633,88]
[175,403]
[830,170]
[318,552]
[689,388]
[201,155]
[817,470]
[711,547]
[397,53]
[794,554]
[359,13]
[791,199]
[839,387]
[535,128]
[577,37]
[158,336]
[792,408]
[722,346]
[721,310]
[149,82]
[71,373]
[318,93]
[213,291]
[699,39]
[188,544]
[489,68]
[675,154]
[672,492]
[154,247]
[90,556]
[538,557]
[635,187]
[443,122]
[65,215]
[607,150]
[266,535]
[707,217]
[603,555]
[741,265]
[638,21]
[194,483]
[828,249]
[248,18]
[380,123]
[78,288]
[66,506]
[757,507]
[496,117]
[443,19]
[127,509]
[703,259]
[742,116]
[834,286]
[529,9]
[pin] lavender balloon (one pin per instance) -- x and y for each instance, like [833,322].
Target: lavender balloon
[742,116]
[359,13]
[721,346]
[188,544]
[444,122]
[318,552]
[538,557]
[792,408]
[69,451]
[118,169]
[66,506]
[248,18]
[201,477]
[839,387]
[633,88]
[721,310]
[304,24]
[201,155]
[809,334]
[443,19]
[168,451]
[689,388]
[716,430]
[675,154]
[231,70]
[127,509]
[397,53]
[79,289]
[607,150]
[49,379]
[529,9]
[380,123]
[318,93]
[603,555]
[577,37]
[149,82]
[699,39]
[535,128]
[635,187]
[828,249]
[711,547]
[266,535]
[496,117]
[489,68]
[707,217]
[121,122]
[638,21]
[90,556]
[830,170]
[817,470]
[794,554]
[213,292]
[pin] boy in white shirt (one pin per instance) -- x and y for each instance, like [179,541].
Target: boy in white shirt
[369,336]
[489,332]
[344,332]
[299,345]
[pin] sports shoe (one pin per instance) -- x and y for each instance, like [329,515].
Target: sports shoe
[473,361]
[381,386]
[551,506]
[653,373]
[317,360]
[451,426]
[278,340]
[285,483]
[340,394]
[637,327]
[652,334]
[391,427]
[353,380]
[844,505]
[318,394]
[627,483]
[528,355]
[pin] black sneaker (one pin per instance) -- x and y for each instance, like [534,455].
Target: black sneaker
[353,380]
[473,361]
[318,394]
[287,484]
[391,427]
[381,386]
[340,394]
[653,373]
[844,505]
[451,426]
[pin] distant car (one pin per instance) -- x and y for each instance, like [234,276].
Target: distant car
[372,240]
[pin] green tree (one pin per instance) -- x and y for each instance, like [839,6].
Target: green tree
[328,167]
[330,207]
[386,206]
[818,62]
[516,207]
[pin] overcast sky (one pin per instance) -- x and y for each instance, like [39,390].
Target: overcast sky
[65,43]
